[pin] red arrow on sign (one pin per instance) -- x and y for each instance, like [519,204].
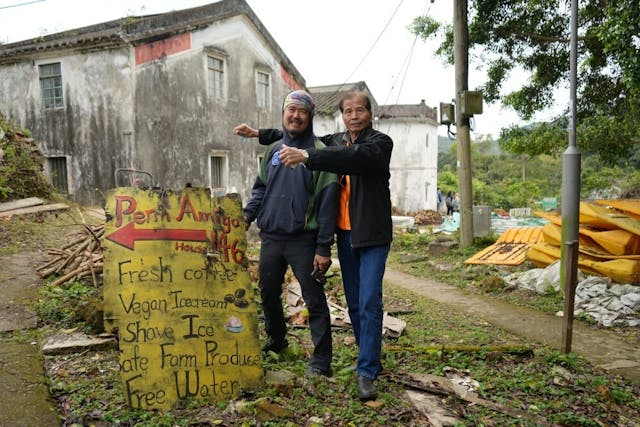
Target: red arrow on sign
[127,235]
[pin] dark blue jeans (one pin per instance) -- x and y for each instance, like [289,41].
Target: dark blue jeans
[275,255]
[362,273]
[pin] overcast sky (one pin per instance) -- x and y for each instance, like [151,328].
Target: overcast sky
[328,41]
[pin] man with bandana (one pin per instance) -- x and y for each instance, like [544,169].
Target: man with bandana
[295,209]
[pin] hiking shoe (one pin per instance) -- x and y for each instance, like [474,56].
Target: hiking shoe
[275,346]
[366,389]
[314,372]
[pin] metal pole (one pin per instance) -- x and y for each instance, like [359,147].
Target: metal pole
[571,180]
[569,296]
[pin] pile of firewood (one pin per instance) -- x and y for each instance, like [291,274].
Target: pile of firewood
[79,258]
[427,217]
[422,217]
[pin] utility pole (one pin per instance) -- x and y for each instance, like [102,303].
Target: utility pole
[461,59]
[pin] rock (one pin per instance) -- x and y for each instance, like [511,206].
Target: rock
[281,381]
[63,343]
[92,312]
[439,247]
[375,404]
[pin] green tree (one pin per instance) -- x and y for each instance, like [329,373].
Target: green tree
[603,181]
[505,180]
[522,194]
[448,181]
[496,173]
[482,193]
[533,35]
[447,159]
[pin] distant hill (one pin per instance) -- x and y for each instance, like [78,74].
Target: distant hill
[445,143]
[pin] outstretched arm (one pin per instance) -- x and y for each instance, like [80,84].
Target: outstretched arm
[371,157]
[245,130]
[265,136]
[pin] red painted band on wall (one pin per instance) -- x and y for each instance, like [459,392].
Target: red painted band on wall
[162,48]
[288,79]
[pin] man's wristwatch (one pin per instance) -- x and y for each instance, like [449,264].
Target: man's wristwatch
[305,154]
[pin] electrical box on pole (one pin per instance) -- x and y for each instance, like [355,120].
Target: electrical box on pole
[447,114]
[470,102]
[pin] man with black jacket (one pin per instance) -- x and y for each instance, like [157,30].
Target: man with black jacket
[361,157]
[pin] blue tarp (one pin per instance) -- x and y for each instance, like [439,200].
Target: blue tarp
[451,223]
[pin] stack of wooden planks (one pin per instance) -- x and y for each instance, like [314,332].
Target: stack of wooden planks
[28,205]
[79,258]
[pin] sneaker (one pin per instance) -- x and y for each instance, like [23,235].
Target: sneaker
[275,346]
[314,372]
[366,389]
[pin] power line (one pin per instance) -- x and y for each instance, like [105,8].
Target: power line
[406,71]
[407,61]
[21,4]
[405,67]
[376,41]
[369,51]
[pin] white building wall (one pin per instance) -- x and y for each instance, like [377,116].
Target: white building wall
[414,163]
[414,160]
[324,125]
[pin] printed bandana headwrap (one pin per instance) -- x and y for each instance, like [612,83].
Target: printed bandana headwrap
[301,98]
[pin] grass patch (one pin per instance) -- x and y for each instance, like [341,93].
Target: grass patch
[64,305]
[536,386]
[540,383]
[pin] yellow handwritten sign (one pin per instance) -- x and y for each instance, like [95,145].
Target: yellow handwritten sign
[178,292]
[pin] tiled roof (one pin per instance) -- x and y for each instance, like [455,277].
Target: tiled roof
[328,97]
[418,111]
[142,29]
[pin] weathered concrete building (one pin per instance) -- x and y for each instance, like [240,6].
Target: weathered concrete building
[413,128]
[162,93]
[414,163]
[158,93]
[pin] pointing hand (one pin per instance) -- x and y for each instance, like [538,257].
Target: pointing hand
[245,130]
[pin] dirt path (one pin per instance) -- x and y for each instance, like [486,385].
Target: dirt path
[19,286]
[601,347]
[24,394]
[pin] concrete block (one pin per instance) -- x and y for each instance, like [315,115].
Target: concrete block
[439,247]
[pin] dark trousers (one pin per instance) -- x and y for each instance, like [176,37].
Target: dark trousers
[275,255]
